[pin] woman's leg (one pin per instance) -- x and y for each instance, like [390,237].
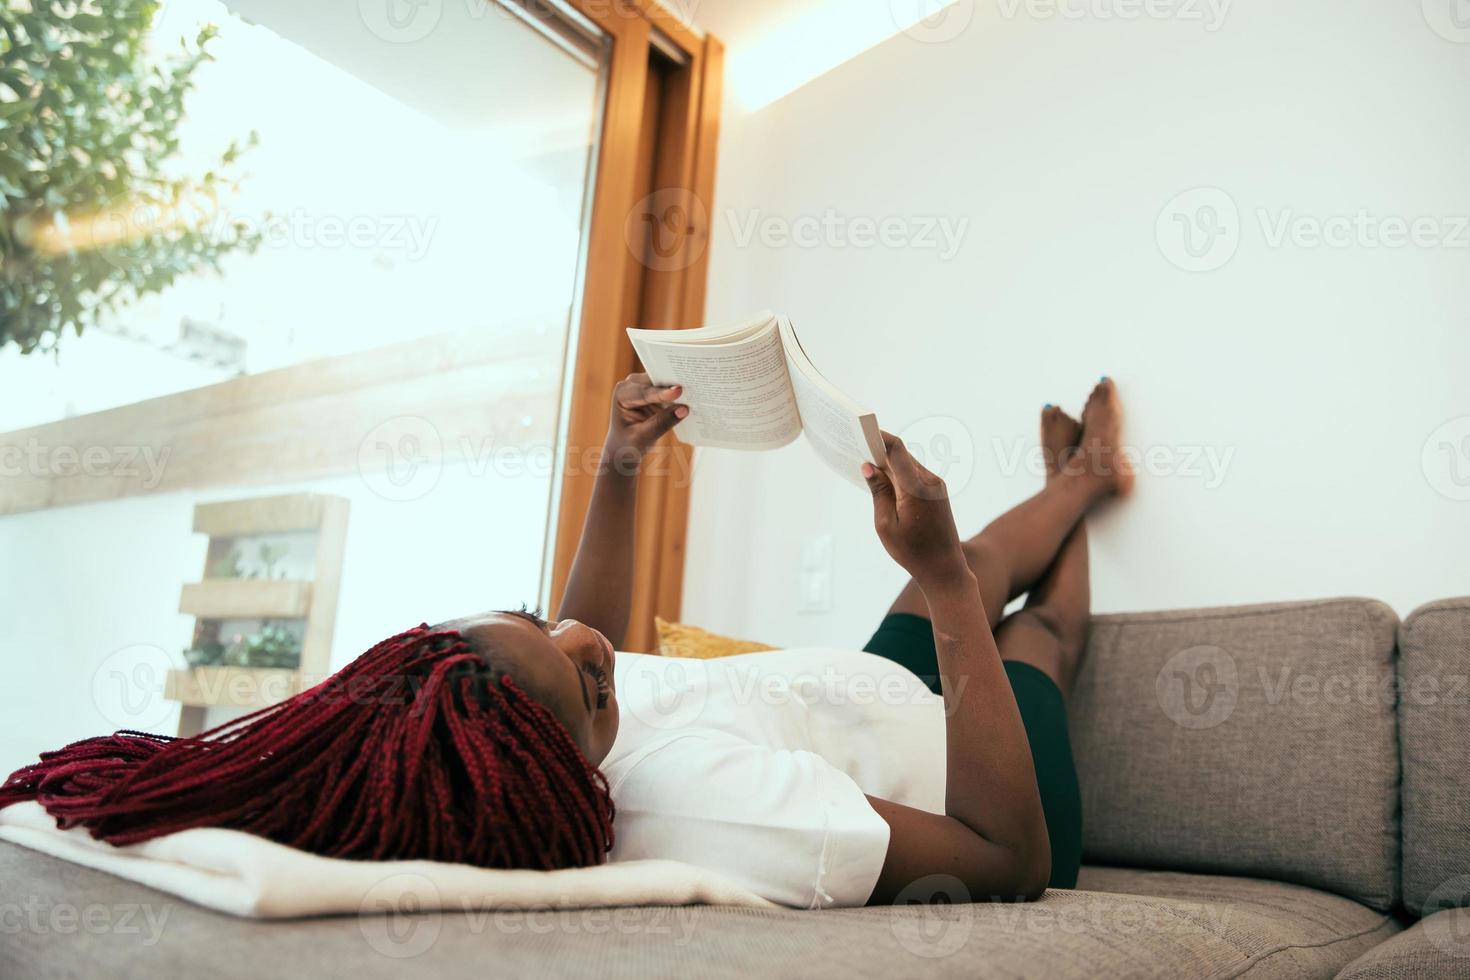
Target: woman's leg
[1016,549]
[1041,646]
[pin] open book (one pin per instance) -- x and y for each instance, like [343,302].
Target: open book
[750,386]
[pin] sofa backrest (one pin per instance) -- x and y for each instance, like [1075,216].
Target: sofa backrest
[1434,737]
[1247,740]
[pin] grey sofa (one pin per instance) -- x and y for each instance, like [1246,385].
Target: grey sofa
[1269,791]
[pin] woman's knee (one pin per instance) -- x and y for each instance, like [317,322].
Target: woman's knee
[992,571]
[1068,632]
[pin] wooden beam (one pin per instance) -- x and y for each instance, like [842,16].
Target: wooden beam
[326,585]
[263,515]
[235,687]
[670,20]
[603,351]
[246,598]
[670,17]
[669,590]
[459,392]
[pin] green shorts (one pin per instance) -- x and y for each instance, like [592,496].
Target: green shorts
[909,640]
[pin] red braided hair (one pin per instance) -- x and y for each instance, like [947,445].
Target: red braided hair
[417,749]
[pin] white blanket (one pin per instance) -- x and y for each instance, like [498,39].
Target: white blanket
[242,874]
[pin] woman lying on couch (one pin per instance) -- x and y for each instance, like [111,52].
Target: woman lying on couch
[812,777]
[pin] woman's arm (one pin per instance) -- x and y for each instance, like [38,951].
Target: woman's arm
[992,836]
[600,586]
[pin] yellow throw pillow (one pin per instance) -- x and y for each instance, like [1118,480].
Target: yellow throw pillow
[681,640]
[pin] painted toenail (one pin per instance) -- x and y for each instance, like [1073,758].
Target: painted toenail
[1047,405]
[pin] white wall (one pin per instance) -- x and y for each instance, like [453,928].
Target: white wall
[88,594]
[1316,375]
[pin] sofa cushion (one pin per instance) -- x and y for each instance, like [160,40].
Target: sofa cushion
[1436,948]
[73,921]
[1434,735]
[1279,929]
[1249,740]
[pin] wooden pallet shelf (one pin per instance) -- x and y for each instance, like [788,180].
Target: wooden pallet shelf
[234,687]
[216,599]
[223,598]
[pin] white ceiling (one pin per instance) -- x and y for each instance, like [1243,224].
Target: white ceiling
[467,65]
[775,46]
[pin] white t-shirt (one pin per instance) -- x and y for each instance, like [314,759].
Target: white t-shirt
[757,766]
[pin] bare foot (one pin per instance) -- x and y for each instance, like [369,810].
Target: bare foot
[1060,434]
[1101,453]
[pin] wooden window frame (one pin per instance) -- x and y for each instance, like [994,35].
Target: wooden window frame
[667,157]
[660,128]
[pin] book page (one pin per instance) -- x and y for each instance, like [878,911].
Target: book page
[738,393]
[844,435]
